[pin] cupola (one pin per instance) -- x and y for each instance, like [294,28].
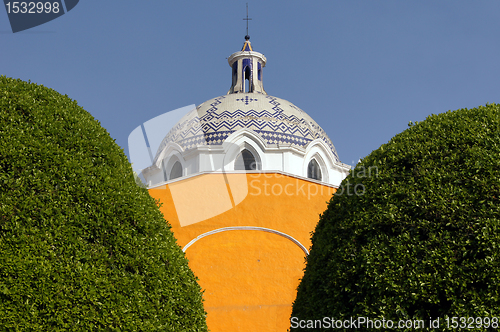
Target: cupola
[247,68]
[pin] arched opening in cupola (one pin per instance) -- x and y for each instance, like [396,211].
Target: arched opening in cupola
[246,161]
[247,80]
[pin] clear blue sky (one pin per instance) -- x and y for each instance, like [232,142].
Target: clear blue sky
[361,69]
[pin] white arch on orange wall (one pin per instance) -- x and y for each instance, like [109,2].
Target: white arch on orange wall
[247,228]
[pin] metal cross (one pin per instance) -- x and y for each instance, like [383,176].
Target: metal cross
[247,19]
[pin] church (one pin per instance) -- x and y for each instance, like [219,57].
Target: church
[242,179]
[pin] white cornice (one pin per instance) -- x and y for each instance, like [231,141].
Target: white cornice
[244,172]
[246,54]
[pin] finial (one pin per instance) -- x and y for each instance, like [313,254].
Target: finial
[247,37]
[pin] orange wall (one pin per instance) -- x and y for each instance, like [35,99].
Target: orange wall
[249,277]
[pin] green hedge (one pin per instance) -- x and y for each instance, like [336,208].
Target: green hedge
[414,231]
[82,247]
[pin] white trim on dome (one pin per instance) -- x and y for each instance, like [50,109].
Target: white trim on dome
[246,54]
[235,138]
[170,149]
[275,157]
[164,162]
[275,131]
[295,176]
[244,139]
[319,151]
[319,145]
[171,159]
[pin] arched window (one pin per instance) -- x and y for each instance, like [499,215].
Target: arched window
[245,161]
[313,170]
[176,171]
[248,73]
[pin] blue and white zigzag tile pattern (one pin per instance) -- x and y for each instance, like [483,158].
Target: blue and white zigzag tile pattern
[268,118]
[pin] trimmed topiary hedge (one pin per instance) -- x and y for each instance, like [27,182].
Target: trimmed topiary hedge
[82,247]
[414,231]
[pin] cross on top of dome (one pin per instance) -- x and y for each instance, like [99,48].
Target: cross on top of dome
[247,46]
[247,37]
[247,68]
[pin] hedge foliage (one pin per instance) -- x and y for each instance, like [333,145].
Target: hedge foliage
[82,247]
[414,230]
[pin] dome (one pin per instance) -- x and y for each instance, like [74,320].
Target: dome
[244,130]
[275,120]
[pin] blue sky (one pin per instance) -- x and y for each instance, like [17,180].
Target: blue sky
[361,69]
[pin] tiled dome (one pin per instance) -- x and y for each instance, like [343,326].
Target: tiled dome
[276,120]
[244,130]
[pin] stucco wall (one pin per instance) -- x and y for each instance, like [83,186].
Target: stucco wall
[249,276]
